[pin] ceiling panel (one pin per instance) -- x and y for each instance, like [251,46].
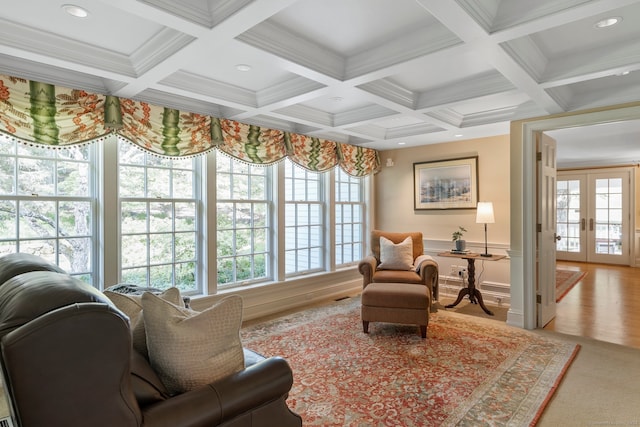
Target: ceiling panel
[378,73]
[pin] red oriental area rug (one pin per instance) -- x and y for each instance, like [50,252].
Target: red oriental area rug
[469,371]
[566,280]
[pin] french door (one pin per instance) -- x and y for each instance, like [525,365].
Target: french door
[593,216]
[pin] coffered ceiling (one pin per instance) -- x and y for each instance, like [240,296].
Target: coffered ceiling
[376,73]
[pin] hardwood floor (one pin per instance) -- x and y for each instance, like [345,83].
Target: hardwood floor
[604,304]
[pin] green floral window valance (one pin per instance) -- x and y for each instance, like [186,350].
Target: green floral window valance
[41,113]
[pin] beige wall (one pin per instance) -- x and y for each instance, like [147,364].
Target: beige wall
[393,208]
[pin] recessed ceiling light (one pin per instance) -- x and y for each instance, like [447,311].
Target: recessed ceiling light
[336,98]
[607,22]
[458,135]
[243,67]
[401,143]
[76,11]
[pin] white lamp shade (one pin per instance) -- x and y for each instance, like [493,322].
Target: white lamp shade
[484,214]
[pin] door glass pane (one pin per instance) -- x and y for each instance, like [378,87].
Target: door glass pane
[608,226]
[568,215]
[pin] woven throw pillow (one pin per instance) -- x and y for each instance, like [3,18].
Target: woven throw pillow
[396,256]
[131,305]
[189,349]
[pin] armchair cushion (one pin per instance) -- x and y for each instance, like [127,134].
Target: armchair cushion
[396,256]
[416,238]
[190,349]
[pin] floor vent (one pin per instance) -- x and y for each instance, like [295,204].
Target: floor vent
[6,422]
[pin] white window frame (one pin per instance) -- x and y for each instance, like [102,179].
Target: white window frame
[301,230]
[235,175]
[342,202]
[149,198]
[22,241]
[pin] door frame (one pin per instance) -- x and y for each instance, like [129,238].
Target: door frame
[522,312]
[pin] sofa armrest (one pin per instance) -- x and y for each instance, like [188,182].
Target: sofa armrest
[366,267]
[254,387]
[429,276]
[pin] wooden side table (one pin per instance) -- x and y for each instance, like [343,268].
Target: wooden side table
[474,293]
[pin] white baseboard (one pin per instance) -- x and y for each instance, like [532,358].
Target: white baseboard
[493,293]
[267,299]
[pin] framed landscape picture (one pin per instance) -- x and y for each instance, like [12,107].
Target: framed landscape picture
[446,184]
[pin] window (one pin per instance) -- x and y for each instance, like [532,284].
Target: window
[47,205]
[243,222]
[158,220]
[304,236]
[158,228]
[349,208]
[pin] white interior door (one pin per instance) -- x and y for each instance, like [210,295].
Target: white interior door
[546,220]
[593,216]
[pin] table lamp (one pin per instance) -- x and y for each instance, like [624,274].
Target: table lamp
[484,215]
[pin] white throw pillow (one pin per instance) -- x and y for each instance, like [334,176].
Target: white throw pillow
[396,256]
[189,349]
[131,305]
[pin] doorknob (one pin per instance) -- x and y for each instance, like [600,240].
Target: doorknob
[557,237]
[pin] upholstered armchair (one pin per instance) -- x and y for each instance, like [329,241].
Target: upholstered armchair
[423,270]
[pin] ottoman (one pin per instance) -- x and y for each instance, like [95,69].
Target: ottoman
[404,303]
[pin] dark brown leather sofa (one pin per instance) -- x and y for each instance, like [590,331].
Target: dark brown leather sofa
[67,360]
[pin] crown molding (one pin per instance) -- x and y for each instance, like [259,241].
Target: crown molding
[488,83]
[412,130]
[216,90]
[390,91]
[292,87]
[364,114]
[308,114]
[285,44]
[449,116]
[198,13]
[414,45]
[205,13]
[182,103]
[369,130]
[160,47]
[527,55]
[25,39]
[592,64]
[18,67]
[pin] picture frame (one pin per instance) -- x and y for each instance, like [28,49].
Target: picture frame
[446,184]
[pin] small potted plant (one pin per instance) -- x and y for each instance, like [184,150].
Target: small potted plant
[457,238]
